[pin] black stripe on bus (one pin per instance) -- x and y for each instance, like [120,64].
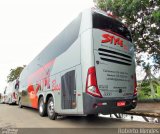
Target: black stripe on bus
[114,57]
[115,61]
[113,52]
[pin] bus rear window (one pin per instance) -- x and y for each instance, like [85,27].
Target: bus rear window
[109,24]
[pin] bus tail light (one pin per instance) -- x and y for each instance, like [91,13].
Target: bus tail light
[14,95]
[135,85]
[91,83]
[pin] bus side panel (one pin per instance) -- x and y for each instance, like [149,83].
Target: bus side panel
[55,83]
[68,59]
[67,67]
[87,57]
[79,88]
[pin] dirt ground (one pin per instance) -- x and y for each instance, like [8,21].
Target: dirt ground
[148,107]
[12,116]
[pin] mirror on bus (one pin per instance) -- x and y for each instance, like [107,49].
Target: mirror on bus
[17,84]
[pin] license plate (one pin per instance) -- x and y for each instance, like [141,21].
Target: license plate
[121,103]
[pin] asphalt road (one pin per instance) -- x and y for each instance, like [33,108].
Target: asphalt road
[14,117]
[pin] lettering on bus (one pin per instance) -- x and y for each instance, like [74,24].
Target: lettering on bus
[113,40]
[55,86]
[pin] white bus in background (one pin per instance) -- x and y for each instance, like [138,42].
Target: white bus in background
[89,68]
[2,100]
[11,93]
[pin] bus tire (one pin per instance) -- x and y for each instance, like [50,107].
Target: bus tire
[42,107]
[20,103]
[50,109]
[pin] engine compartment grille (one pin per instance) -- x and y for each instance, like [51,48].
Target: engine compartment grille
[115,57]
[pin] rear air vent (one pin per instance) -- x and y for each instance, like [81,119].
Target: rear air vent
[115,57]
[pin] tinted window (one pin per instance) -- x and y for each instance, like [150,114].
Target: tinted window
[109,24]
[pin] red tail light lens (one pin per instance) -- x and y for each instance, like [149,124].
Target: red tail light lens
[91,83]
[135,85]
[14,95]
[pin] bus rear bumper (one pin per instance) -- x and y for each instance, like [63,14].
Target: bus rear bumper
[94,105]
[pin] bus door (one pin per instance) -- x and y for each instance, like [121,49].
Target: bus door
[68,90]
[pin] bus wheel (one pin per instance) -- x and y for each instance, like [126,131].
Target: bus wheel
[42,107]
[50,109]
[20,103]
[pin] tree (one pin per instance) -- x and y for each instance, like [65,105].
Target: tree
[150,77]
[14,73]
[143,19]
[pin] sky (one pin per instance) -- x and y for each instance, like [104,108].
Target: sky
[27,26]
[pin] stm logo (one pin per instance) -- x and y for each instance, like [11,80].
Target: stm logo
[113,40]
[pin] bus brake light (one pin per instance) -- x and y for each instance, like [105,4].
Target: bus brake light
[135,85]
[91,84]
[14,95]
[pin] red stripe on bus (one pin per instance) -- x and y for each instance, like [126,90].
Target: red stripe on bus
[42,73]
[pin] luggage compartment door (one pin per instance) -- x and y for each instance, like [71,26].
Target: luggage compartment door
[68,93]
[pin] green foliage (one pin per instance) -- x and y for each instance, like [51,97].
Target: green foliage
[102,4]
[143,19]
[156,16]
[14,73]
[142,95]
[158,90]
[144,91]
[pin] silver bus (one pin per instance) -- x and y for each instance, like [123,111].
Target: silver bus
[88,69]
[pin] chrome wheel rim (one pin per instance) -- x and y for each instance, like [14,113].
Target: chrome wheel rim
[51,108]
